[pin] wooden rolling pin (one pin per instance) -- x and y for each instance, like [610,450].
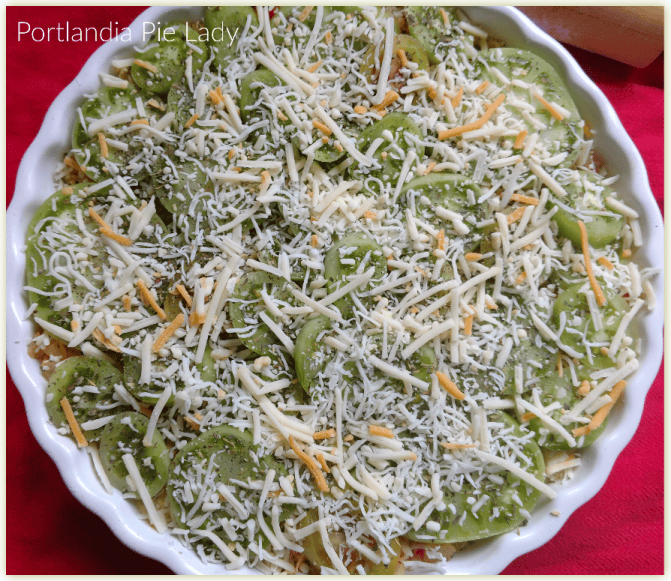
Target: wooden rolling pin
[630,34]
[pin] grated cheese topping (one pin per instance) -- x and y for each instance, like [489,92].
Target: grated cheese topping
[442,293]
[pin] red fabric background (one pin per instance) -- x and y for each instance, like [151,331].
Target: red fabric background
[48,532]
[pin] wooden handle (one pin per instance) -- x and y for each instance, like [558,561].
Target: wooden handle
[630,34]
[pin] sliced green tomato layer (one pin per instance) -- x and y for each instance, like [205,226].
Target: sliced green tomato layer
[247,303]
[308,365]
[107,102]
[389,156]
[124,435]
[227,454]
[426,25]
[559,389]
[39,250]
[250,90]
[318,557]
[42,253]
[78,379]
[224,25]
[558,136]
[151,392]
[601,230]
[482,523]
[169,58]
[365,253]
[573,302]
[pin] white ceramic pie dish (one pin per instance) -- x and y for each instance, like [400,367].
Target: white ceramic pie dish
[33,185]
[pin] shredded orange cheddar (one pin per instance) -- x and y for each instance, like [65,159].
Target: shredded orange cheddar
[197,319]
[521,277]
[447,133]
[601,414]
[98,218]
[191,121]
[430,167]
[305,13]
[482,87]
[74,426]
[127,303]
[457,98]
[322,461]
[215,98]
[524,199]
[323,435]
[313,467]
[583,390]
[328,37]
[177,322]
[139,122]
[528,416]
[104,151]
[468,325]
[387,100]
[145,65]
[453,446]
[598,293]
[472,256]
[603,261]
[323,128]
[117,237]
[181,289]
[314,241]
[446,17]
[400,53]
[380,431]
[449,386]
[149,298]
[519,140]
[441,240]
[315,66]
[556,114]
[515,215]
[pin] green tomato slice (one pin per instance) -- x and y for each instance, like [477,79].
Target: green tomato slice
[353,253]
[485,522]
[169,58]
[221,23]
[573,303]
[215,459]
[88,384]
[389,165]
[308,365]
[557,136]
[250,90]
[426,25]
[559,389]
[150,393]
[583,196]
[124,435]
[247,302]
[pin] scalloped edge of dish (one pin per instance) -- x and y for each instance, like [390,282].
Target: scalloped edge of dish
[121,516]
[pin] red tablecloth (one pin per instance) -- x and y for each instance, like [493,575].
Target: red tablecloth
[48,532]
